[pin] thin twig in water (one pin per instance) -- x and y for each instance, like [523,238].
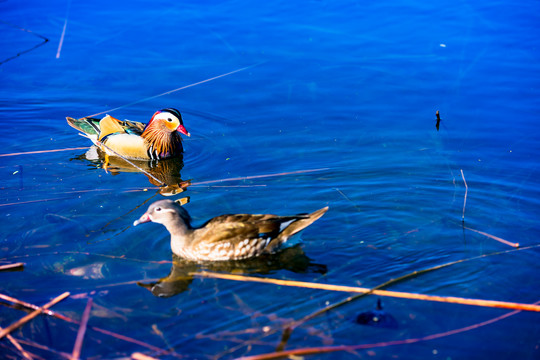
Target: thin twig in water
[177,89]
[32,315]
[465,198]
[75,355]
[43,151]
[12,267]
[329,349]
[63,31]
[94,328]
[516,245]
[18,346]
[354,289]
[242,178]
[45,40]
[140,356]
[348,199]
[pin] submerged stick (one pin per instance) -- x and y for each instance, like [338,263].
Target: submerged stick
[465,198]
[15,266]
[177,89]
[32,315]
[242,178]
[43,151]
[354,289]
[516,245]
[95,328]
[18,346]
[82,329]
[297,353]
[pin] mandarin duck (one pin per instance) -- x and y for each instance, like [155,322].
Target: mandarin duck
[159,139]
[225,237]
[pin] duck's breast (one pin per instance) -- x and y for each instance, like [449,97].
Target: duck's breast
[130,146]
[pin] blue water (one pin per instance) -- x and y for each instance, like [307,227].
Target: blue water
[336,98]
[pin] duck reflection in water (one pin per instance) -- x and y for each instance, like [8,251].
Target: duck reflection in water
[164,173]
[292,259]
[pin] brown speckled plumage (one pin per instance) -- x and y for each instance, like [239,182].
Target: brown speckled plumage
[225,237]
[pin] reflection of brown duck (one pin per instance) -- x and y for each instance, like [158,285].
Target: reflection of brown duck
[226,237]
[179,278]
[164,173]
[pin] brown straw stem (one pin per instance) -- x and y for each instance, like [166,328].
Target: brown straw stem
[516,245]
[32,315]
[75,355]
[18,347]
[465,198]
[353,289]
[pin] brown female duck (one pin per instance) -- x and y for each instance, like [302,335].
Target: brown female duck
[225,237]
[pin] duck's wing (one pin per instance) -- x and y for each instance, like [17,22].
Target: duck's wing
[88,126]
[105,126]
[239,236]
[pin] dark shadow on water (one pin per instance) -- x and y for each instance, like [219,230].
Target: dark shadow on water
[292,259]
[164,173]
[377,318]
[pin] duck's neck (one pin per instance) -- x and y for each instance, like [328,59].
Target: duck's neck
[162,143]
[180,235]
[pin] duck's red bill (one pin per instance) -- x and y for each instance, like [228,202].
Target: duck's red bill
[143,219]
[182,130]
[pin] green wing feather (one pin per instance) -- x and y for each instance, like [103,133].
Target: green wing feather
[90,126]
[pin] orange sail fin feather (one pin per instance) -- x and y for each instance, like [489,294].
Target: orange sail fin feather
[159,139]
[109,125]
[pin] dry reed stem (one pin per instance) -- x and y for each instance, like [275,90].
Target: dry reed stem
[243,178]
[465,198]
[18,346]
[43,151]
[353,289]
[94,328]
[516,245]
[177,89]
[32,315]
[140,356]
[15,266]
[59,354]
[75,355]
[329,349]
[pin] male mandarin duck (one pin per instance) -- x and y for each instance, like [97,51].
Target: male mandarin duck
[159,139]
[225,237]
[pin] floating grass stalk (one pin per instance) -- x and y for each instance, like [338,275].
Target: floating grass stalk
[32,315]
[354,289]
[177,89]
[43,151]
[18,346]
[516,245]
[57,315]
[465,198]
[297,353]
[75,355]
[12,267]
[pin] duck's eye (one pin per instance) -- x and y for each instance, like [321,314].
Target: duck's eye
[157,209]
[169,120]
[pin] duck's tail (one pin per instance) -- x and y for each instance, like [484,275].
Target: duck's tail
[302,221]
[88,126]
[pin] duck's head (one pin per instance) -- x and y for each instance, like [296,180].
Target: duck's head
[169,120]
[165,212]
